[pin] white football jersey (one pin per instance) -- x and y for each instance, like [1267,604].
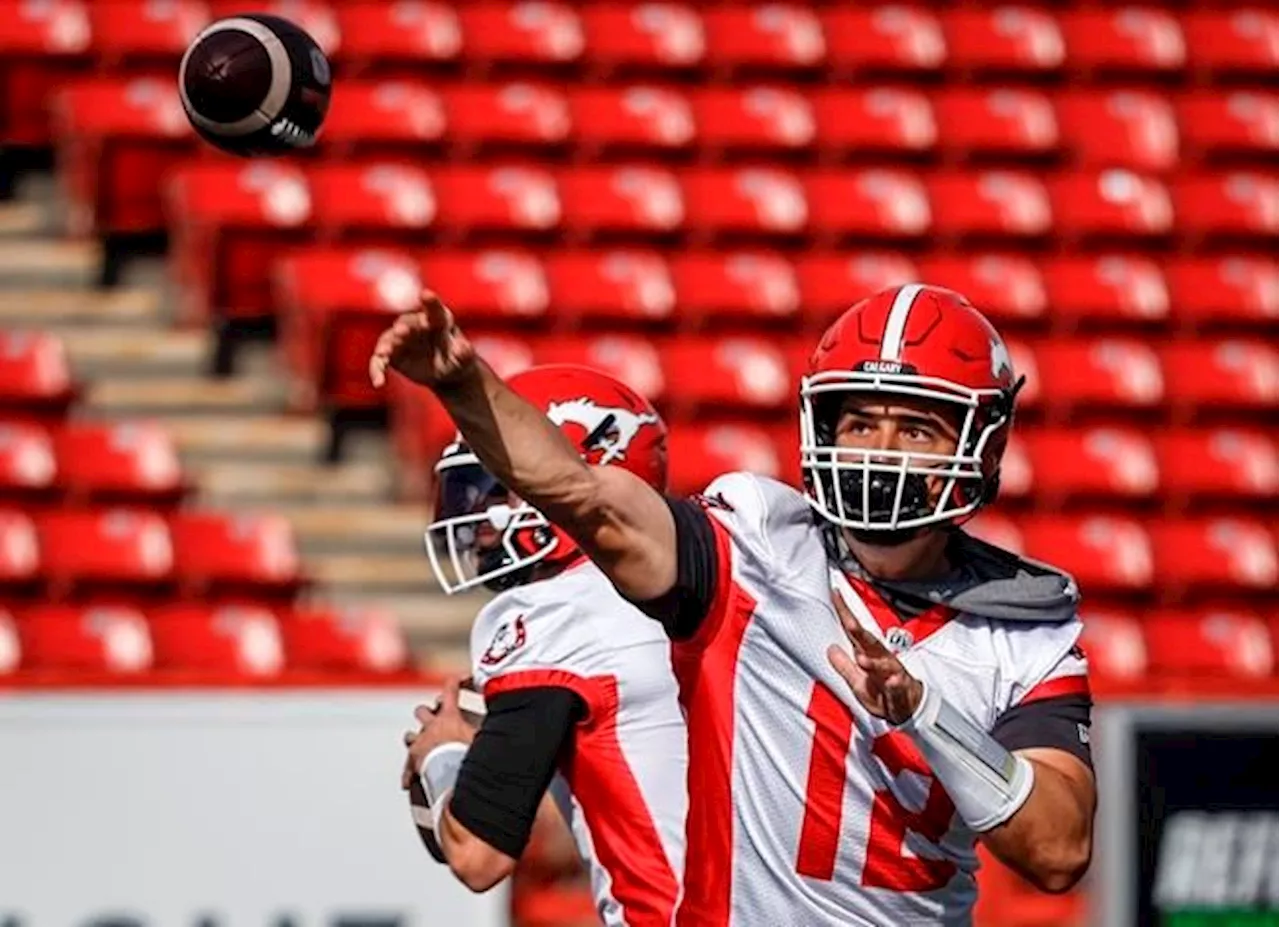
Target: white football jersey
[626,795]
[806,809]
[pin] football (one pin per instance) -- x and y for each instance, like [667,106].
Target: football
[255,85]
[471,704]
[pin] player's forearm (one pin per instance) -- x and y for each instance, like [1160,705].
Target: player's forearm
[1049,840]
[477,865]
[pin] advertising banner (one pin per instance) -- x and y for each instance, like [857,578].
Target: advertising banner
[217,809]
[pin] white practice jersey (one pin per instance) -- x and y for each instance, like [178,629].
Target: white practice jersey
[806,810]
[626,796]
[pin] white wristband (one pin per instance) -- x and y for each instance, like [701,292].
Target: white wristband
[439,771]
[986,782]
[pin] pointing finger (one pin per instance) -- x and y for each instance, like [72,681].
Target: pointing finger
[867,642]
[843,664]
[424,715]
[449,697]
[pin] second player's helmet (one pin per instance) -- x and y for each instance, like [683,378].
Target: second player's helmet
[482,534]
[907,344]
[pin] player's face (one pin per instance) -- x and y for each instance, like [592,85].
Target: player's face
[891,424]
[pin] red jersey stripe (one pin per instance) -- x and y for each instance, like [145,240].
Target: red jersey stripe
[920,627]
[1061,685]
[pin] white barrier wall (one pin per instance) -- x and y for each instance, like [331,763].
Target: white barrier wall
[216,809]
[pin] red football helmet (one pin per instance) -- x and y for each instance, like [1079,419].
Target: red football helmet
[483,534]
[913,342]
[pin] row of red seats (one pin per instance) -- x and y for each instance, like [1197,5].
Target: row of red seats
[70,643]
[66,554]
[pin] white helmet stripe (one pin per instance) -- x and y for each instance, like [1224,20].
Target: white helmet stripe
[891,343]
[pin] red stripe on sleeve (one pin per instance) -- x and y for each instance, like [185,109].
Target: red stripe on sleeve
[1061,685]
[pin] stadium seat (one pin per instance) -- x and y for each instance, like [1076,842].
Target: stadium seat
[28,465]
[383,118]
[508,114]
[1017,478]
[1208,377]
[226,642]
[1004,39]
[1127,39]
[885,38]
[634,360]
[987,204]
[1009,287]
[142,32]
[1207,646]
[42,47]
[831,282]
[636,200]
[1095,463]
[504,197]
[1110,204]
[1218,464]
[745,201]
[1116,645]
[79,643]
[521,32]
[1235,122]
[112,552]
[1119,128]
[995,527]
[1107,373]
[1226,290]
[773,36]
[1227,205]
[643,36]
[499,288]
[1108,289]
[120,463]
[617,287]
[761,119]
[638,117]
[726,375]
[1027,367]
[218,556]
[870,203]
[1214,554]
[1103,552]
[35,378]
[701,452]
[888,120]
[381,203]
[738,288]
[1239,41]
[1000,121]
[343,640]
[379,36]
[318,17]
[10,644]
[19,553]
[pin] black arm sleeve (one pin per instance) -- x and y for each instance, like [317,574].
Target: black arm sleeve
[682,608]
[511,762]
[1061,723]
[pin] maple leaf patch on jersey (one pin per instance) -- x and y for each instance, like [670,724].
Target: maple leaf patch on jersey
[509,638]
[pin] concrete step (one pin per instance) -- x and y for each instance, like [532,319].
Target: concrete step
[382,527]
[23,219]
[54,306]
[231,481]
[99,350]
[118,395]
[360,577]
[429,617]
[260,437]
[51,261]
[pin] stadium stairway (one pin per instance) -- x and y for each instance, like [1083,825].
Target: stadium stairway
[240,446]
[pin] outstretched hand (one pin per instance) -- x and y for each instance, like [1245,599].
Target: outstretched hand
[426,346]
[875,676]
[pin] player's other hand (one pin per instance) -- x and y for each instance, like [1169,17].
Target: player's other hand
[426,346]
[439,726]
[876,677]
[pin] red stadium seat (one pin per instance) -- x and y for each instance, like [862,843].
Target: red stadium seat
[1215,553]
[893,120]
[1223,463]
[1228,204]
[1221,374]
[141,31]
[1215,645]
[1230,289]
[1017,478]
[42,47]
[1129,39]
[35,378]
[1102,552]
[385,203]
[344,640]
[990,203]
[1119,128]
[1107,463]
[736,287]
[220,554]
[1009,288]
[1116,646]
[868,203]
[760,119]
[124,462]
[10,644]
[883,38]
[728,374]
[774,36]
[1110,204]
[832,282]
[1006,38]
[383,117]
[1027,367]
[508,197]
[749,200]
[19,551]
[644,35]
[106,551]
[517,113]
[999,529]
[634,360]
[1236,122]
[495,287]
[83,642]
[522,32]
[637,117]
[1111,373]
[1240,41]
[636,200]
[998,121]
[217,641]
[703,451]
[1107,289]
[377,35]
[616,287]
[318,17]
[28,465]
